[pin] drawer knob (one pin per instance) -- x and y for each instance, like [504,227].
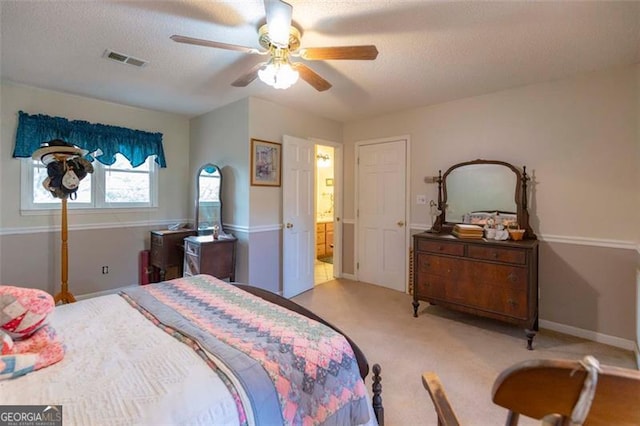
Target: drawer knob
[512,277]
[495,255]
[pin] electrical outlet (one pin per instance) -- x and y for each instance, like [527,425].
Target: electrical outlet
[105,270]
[421,199]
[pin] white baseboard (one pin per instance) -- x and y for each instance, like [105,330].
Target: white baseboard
[100,293]
[637,351]
[590,335]
[351,277]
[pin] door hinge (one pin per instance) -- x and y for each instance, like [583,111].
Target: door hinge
[358,213]
[358,162]
[357,265]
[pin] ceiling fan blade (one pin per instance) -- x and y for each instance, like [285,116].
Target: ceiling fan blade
[311,77]
[249,76]
[278,21]
[216,44]
[368,52]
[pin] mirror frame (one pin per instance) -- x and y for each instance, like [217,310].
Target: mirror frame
[196,225]
[520,196]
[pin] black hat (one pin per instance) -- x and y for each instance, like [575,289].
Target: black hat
[56,146]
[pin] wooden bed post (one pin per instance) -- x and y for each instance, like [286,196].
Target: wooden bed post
[378,409]
[64,296]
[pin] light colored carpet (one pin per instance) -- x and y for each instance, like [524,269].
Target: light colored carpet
[467,352]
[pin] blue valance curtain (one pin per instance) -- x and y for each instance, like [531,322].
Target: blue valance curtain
[135,145]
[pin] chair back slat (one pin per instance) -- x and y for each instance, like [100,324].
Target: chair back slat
[537,388]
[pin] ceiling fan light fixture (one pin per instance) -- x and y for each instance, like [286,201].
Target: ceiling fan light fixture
[278,21]
[279,38]
[278,74]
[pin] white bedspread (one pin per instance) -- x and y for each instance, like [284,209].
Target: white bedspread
[120,369]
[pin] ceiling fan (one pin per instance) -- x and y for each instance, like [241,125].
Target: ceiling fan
[281,40]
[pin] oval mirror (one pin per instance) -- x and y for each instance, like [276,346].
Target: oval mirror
[208,200]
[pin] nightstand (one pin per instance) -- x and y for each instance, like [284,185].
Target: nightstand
[204,255]
[167,252]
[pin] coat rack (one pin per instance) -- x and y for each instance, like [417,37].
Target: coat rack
[65,295]
[65,169]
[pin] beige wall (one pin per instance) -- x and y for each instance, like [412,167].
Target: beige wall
[220,137]
[269,121]
[253,213]
[638,222]
[33,259]
[578,138]
[30,244]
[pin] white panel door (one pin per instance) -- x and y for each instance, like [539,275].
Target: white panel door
[382,214]
[298,215]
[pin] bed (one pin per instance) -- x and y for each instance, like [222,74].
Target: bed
[198,350]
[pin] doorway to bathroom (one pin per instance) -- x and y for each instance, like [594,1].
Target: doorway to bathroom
[325,208]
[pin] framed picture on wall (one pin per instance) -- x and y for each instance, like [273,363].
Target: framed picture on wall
[266,158]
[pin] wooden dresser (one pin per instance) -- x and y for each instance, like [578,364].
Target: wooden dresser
[204,255]
[167,252]
[495,279]
[324,239]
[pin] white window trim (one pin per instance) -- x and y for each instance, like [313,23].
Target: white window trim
[98,204]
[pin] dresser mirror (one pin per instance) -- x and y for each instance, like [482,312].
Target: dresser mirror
[208,201]
[470,192]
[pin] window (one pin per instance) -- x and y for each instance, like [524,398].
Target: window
[115,186]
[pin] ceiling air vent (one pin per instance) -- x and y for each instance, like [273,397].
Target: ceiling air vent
[125,59]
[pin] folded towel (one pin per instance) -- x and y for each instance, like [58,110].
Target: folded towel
[40,350]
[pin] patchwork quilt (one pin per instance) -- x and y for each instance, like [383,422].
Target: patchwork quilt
[294,370]
[40,350]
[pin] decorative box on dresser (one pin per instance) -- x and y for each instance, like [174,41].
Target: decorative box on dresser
[206,255]
[495,279]
[167,252]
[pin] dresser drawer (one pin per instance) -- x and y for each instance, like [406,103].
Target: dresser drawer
[192,248]
[499,254]
[510,276]
[442,247]
[430,286]
[191,265]
[156,256]
[439,265]
[156,240]
[508,300]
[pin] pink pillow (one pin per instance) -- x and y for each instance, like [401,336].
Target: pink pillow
[40,350]
[23,310]
[6,343]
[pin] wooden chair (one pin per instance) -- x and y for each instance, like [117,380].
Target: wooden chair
[549,389]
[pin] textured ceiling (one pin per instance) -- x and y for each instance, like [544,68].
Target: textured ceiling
[430,52]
